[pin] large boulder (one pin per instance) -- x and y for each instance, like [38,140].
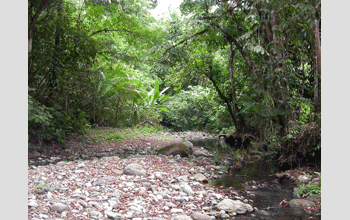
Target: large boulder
[134,169]
[302,203]
[178,148]
[237,206]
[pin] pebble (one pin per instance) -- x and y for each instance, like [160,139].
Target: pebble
[95,214]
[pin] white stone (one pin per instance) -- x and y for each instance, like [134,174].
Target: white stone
[77,191]
[33,203]
[175,210]
[187,189]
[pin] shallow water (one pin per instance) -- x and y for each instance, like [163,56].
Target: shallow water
[269,192]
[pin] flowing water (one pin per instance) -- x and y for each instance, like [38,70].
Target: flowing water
[268,192]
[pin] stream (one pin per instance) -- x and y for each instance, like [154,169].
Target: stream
[267,192]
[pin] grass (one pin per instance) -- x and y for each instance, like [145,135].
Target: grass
[43,187]
[115,135]
[108,134]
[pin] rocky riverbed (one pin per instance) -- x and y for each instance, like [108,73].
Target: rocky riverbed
[129,180]
[137,187]
[140,185]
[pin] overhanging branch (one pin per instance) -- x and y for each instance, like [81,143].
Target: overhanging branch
[106,30]
[186,39]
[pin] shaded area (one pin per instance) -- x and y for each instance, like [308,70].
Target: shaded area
[258,182]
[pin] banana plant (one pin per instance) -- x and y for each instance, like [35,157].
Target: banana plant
[153,98]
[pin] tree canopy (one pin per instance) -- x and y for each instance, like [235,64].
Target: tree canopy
[250,66]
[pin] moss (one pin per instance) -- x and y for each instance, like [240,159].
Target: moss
[177,148]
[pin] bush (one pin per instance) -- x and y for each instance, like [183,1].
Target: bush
[197,109]
[47,124]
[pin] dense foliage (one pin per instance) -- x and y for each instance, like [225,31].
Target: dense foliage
[87,65]
[197,108]
[249,66]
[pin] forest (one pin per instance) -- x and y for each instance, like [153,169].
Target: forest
[250,69]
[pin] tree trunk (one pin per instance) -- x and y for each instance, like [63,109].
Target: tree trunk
[233,89]
[278,65]
[317,61]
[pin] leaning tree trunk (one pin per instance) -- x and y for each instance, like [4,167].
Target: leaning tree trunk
[33,19]
[233,89]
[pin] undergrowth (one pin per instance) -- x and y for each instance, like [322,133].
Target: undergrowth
[311,188]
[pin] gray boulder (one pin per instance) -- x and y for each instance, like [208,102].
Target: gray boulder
[134,169]
[314,198]
[303,203]
[237,206]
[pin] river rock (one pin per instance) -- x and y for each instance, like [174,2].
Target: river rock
[134,169]
[304,179]
[33,203]
[112,215]
[95,214]
[187,189]
[314,198]
[61,164]
[303,203]
[201,152]
[175,210]
[200,216]
[188,144]
[263,212]
[181,217]
[59,207]
[237,206]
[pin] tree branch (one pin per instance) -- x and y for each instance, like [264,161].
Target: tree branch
[106,30]
[186,39]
